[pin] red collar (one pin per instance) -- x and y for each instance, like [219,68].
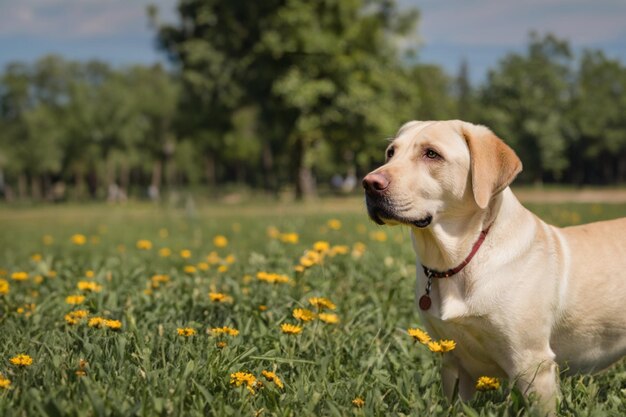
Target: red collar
[425,301]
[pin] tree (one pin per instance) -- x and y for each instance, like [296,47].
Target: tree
[525,100]
[309,71]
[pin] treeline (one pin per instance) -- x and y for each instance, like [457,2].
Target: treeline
[280,95]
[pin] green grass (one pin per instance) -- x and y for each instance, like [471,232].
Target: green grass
[146,369]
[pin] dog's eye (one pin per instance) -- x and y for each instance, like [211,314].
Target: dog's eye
[390,153]
[430,154]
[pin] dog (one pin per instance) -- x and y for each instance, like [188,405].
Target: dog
[521,298]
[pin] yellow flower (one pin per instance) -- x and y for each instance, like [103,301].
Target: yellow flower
[144,244]
[244,378]
[158,279]
[358,402]
[74,299]
[185,331]
[26,309]
[290,328]
[19,276]
[419,335]
[165,252]
[379,236]
[272,377]
[21,360]
[78,239]
[339,250]
[203,266]
[96,322]
[185,254]
[36,257]
[329,318]
[289,238]
[4,286]
[219,297]
[213,258]
[358,250]
[441,346]
[262,307]
[322,303]
[89,273]
[299,268]
[321,246]
[221,344]
[334,224]
[189,269]
[225,330]
[113,324]
[74,317]
[220,241]
[303,314]
[89,286]
[487,383]
[272,277]
[222,268]
[230,259]
[4,382]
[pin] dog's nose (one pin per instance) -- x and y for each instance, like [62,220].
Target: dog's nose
[375,183]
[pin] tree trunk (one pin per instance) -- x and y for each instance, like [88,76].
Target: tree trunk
[305,181]
[35,187]
[269,176]
[22,186]
[210,170]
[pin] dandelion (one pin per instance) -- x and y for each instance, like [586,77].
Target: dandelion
[158,279]
[89,273]
[272,377]
[339,250]
[22,360]
[113,324]
[203,266]
[165,252]
[36,257]
[225,330]
[5,383]
[322,303]
[419,335]
[78,239]
[272,277]
[89,286]
[218,297]
[262,307]
[321,246]
[19,276]
[189,269]
[74,317]
[358,249]
[441,346]
[213,258]
[220,241]
[185,331]
[221,344]
[244,378]
[144,244]
[292,238]
[222,268]
[487,383]
[379,236]
[358,402]
[329,318]
[185,254]
[290,328]
[96,322]
[303,314]
[230,259]
[26,309]
[333,224]
[4,287]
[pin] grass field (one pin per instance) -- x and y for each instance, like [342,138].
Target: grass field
[144,275]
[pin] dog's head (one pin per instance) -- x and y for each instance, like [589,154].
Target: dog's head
[438,168]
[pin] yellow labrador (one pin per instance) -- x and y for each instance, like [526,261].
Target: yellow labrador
[520,297]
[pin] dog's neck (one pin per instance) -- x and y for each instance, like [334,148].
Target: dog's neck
[447,243]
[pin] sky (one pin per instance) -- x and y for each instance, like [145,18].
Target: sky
[449,31]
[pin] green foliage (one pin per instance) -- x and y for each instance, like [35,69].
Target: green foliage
[146,369]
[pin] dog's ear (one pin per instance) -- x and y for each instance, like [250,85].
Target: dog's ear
[494,165]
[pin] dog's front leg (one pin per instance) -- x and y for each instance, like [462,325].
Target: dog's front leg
[449,376]
[541,379]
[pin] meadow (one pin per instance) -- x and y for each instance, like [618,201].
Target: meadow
[251,310]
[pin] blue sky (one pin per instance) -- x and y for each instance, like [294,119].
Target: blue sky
[481,31]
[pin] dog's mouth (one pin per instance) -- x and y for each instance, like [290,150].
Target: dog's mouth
[382,212]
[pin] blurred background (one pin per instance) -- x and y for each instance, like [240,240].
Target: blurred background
[151,99]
